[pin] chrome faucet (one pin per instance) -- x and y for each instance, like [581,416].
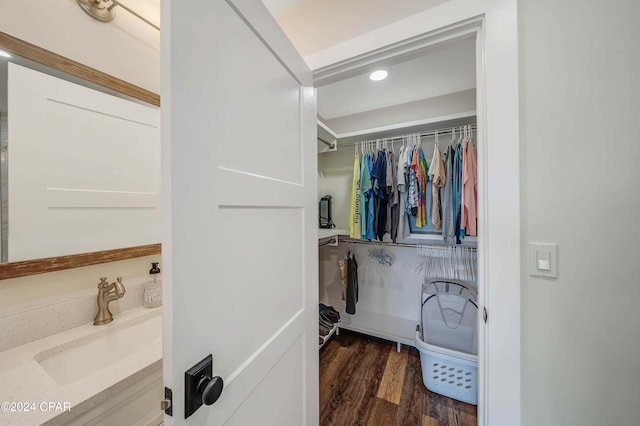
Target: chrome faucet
[106,293]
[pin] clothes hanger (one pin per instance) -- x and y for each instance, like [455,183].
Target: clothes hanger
[453,137]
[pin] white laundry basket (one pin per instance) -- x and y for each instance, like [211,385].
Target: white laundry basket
[447,340]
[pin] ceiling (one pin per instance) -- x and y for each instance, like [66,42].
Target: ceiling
[442,75]
[280,7]
[440,71]
[314,25]
[440,82]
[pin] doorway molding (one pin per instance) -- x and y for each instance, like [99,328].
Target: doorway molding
[495,32]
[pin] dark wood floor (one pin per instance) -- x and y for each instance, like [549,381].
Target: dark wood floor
[365,381]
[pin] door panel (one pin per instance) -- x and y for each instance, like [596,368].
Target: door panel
[285,410]
[246,291]
[275,128]
[240,245]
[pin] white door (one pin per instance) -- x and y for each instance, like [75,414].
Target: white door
[240,214]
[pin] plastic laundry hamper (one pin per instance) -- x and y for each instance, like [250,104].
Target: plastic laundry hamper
[447,339]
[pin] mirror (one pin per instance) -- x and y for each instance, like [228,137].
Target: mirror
[120,184]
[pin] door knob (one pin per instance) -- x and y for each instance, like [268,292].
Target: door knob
[201,386]
[210,389]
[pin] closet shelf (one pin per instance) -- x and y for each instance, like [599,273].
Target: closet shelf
[331,236]
[334,236]
[329,233]
[396,329]
[335,330]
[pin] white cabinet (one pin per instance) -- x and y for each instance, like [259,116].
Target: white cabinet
[137,405]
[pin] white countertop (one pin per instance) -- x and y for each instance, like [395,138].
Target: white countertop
[24,380]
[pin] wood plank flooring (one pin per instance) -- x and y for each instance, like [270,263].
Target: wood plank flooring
[364,381]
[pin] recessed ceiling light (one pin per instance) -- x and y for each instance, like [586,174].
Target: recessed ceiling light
[378,75]
[5,54]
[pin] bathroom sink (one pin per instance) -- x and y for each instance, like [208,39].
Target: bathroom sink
[110,344]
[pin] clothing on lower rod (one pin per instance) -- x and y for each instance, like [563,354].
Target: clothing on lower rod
[352,283]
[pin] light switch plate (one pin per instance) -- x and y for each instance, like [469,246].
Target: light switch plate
[543,260]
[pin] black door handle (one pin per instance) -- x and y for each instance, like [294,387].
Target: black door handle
[201,386]
[210,389]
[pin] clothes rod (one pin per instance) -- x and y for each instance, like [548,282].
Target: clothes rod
[329,144]
[441,132]
[392,244]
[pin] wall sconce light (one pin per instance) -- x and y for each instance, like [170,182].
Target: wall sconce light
[103,10]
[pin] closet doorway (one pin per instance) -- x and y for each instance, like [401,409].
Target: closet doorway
[431,91]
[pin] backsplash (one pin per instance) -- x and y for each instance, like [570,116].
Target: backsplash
[29,322]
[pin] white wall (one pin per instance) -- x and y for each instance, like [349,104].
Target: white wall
[335,172]
[434,108]
[580,92]
[126,48]
[389,290]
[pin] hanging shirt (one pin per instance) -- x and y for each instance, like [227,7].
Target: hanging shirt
[457,190]
[470,191]
[448,225]
[375,182]
[354,208]
[429,194]
[389,189]
[380,191]
[400,170]
[413,182]
[394,198]
[352,284]
[420,171]
[370,234]
[439,179]
[365,188]
[403,220]
[462,211]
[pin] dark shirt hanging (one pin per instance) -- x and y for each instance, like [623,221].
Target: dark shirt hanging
[380,189]
[352,284]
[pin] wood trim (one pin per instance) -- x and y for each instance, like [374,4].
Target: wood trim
[53,60]
[52,264]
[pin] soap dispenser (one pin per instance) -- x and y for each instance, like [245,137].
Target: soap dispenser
[153,288]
